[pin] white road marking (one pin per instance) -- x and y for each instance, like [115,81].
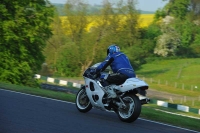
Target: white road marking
[38,96]
[113,112]
[169,125]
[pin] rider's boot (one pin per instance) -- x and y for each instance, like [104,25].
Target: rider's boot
[110,91]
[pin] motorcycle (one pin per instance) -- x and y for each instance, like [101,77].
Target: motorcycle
[128,103]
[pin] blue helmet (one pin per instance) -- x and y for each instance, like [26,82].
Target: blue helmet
[113,49]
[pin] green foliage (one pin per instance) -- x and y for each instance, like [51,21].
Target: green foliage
[80,48]
[141,50]
[195,46]
[55,44]
[136,56]
[129,33]
[178,8]
[68,62]
[159,14]
[167,43]
[185,29]
[188,32]
[24,27]
[174,33]
[148,38]
[179,24]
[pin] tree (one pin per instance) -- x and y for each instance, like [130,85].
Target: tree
[56,43]
[76,20]
[68,61]
[118,24]
[182,17]
[88,43]
[168,41]
[148,39]
[129,30]
[178,8]
[24,27]
[167,44]
[83,47]
[76,23]
[195,7]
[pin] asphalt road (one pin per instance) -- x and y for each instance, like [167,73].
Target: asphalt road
[21,113]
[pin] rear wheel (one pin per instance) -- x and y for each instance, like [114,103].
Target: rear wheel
[132,110]
[82,101]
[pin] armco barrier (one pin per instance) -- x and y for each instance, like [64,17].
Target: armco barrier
[57,81]
[175,106]
[157,102]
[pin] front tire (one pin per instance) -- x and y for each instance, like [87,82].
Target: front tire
[132,110]
[82,101]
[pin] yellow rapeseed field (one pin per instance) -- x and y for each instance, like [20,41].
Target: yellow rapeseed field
[144,21]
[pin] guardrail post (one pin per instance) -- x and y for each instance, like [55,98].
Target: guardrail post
[166,83]
[183,86]
[175,85]
[185,99]
[193,102]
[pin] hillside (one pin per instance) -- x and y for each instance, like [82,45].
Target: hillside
[176,73]
[173,80]
[92,9]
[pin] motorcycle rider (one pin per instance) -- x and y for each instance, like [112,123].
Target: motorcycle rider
[120,66]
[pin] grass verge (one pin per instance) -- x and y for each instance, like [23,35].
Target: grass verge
[148,111]
[39,92]
[153,112]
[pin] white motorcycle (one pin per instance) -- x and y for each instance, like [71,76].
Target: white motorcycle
[127,104]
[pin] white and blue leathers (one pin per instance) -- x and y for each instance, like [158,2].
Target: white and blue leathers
[121,64]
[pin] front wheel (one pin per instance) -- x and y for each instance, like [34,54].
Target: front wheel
[82,101]
[132,110]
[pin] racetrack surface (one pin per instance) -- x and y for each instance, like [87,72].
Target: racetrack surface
[21,113]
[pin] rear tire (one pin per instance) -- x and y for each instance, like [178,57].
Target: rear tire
[82,101]
[133,109]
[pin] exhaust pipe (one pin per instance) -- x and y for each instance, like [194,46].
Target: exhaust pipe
[145,101]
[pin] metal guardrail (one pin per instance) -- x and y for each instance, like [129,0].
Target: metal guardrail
[58,88]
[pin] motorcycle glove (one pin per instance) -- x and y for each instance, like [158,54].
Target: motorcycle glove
[93,71]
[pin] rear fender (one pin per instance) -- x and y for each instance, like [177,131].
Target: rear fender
[133,84]
[142,90]
[139,90]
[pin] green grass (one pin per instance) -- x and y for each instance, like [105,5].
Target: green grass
[148,111]
[182,71]
[40,92]
[175,76]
